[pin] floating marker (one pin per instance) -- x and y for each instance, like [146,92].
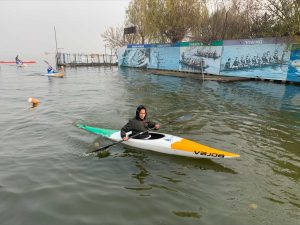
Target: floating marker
[34,101]
[253,206]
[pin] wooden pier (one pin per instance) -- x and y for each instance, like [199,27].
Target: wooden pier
[211,77]
[198,76]
[74,60]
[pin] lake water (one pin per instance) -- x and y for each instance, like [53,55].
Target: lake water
[46,176]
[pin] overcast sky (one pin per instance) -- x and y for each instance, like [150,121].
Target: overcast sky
[27,27]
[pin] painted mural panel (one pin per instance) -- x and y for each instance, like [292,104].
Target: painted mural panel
[294,66]
[256,58]
[134,57]
[120,53]
[266,58]
[165,58]
[200,59]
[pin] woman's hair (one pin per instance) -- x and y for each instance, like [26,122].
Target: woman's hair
[138,109]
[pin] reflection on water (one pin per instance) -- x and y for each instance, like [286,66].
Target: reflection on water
[142,173]
[194,215]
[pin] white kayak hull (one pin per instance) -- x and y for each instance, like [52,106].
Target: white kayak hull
[165,143]
[53,74]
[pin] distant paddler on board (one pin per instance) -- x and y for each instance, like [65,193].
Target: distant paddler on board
[19,62]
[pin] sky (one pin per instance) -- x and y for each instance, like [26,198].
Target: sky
[27,27]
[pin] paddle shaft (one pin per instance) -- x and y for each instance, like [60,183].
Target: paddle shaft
[133,136]
[48,63]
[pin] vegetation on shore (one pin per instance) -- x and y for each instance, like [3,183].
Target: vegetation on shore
[161,21]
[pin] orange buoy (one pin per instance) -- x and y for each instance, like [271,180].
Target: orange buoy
[34,101]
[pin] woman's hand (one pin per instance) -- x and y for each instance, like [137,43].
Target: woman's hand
[157,126]
[125,138]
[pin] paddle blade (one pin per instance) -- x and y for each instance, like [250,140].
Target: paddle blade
[103,154]
[106,147]
[101,149]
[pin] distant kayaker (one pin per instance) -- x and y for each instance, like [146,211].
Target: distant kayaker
[138,124]
[18,61]
[50,70]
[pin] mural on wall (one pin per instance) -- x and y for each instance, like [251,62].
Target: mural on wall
[134,57]
[267,58]
[164,57]
[200,59]
[263,58]
[120,52]
[294,66]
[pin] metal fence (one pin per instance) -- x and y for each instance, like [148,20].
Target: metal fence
[67,59]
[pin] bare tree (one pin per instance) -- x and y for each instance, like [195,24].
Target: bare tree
[114,38]
[207,20]
[285,15]
[234,19]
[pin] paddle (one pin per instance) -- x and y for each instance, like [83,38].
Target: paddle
[47,63]
[133,136]
[107,146]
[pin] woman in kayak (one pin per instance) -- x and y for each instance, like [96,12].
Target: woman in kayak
[139,124]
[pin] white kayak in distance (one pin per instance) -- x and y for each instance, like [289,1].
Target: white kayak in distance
[57,73]
[164,143]
[61,75]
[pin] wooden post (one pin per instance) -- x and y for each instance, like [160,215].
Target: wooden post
[56,49]
[110,56]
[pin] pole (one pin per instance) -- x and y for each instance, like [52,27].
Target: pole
[202,64]
[56,55]
[105,53]
[110,56]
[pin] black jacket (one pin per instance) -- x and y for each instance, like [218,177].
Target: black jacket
[136,126]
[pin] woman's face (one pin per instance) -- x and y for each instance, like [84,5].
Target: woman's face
[142,114]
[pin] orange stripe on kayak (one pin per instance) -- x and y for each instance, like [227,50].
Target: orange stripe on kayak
[199,149]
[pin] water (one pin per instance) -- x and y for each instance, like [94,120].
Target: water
[46,176]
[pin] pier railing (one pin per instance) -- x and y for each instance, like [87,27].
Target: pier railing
[67,59]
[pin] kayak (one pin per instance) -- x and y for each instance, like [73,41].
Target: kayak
[54,74]
[164,143]
[14,62]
